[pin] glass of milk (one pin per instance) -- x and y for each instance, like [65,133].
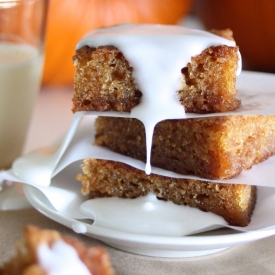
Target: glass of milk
[22,33]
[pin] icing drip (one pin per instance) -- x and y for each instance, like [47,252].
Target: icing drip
[157,53]
[61,258]
[79,228]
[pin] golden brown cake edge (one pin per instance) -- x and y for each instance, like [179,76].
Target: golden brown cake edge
[103,178]
[104,81]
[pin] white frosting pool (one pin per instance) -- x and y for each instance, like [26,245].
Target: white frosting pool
[149,216]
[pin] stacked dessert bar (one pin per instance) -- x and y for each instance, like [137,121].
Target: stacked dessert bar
[158,74]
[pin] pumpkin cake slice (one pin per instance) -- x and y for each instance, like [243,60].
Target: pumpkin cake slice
[105,79]
[104,178]
[212,148]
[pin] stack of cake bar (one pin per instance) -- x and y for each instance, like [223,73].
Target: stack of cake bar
[218,147]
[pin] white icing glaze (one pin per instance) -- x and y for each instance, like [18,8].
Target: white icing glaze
[61,258]
[148,215]
[157,53]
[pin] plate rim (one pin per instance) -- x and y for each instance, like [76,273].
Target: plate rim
[111,236]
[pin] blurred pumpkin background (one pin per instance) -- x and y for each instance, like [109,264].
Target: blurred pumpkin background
[252,22]
[253,25]
[69,20]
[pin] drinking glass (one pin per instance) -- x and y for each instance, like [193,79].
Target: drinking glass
[22,40]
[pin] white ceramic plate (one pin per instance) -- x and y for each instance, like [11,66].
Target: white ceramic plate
[162,246]
[151,245]
[158,246]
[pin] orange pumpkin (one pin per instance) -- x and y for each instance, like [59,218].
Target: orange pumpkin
[68,21]
[252,23]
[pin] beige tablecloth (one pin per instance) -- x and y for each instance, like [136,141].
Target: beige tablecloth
[254,258]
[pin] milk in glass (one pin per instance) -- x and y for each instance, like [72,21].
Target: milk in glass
[20,77]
